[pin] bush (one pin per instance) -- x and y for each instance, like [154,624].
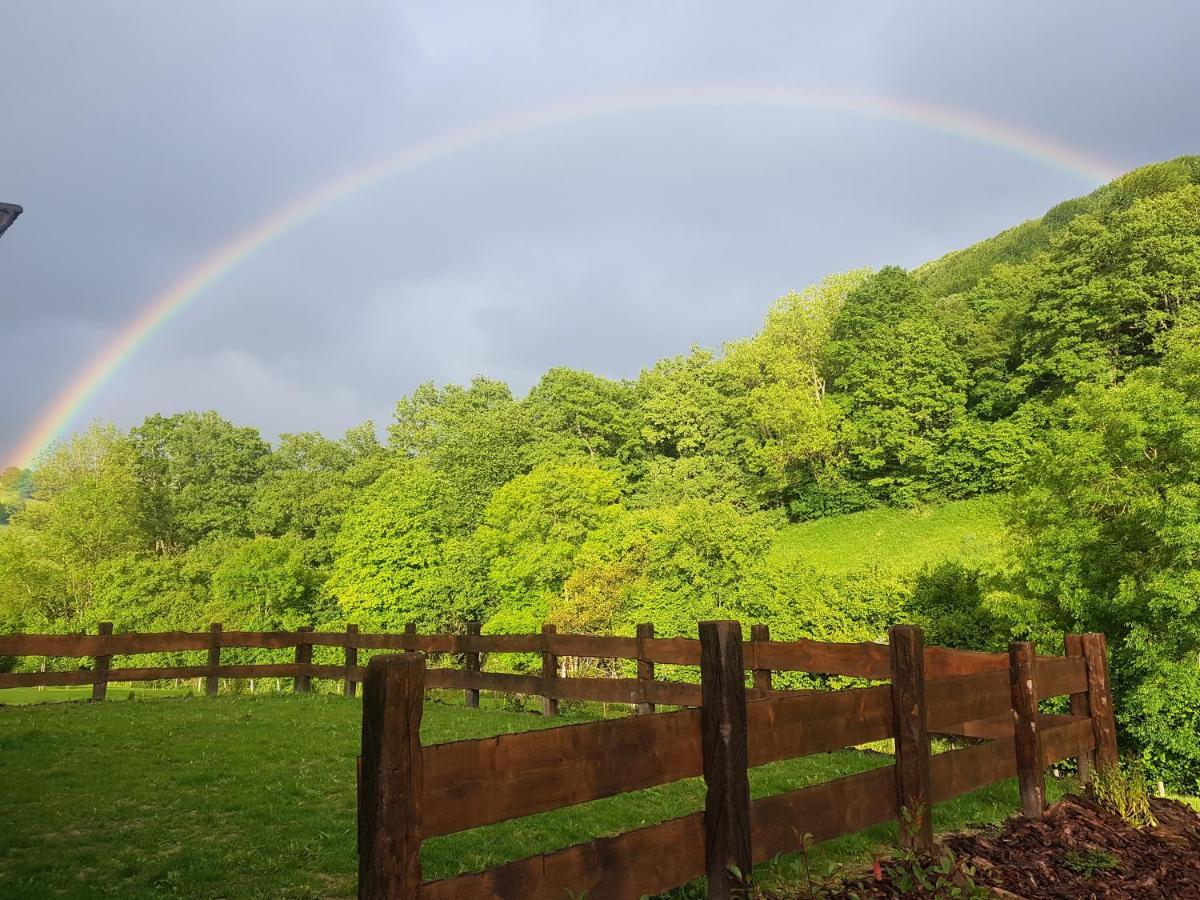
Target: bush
[947,602]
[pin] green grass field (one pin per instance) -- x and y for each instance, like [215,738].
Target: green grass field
[254,797]
[896,541]
[30,696]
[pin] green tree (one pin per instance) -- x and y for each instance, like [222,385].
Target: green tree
[477,438]
[574,413]
[198,475]
[1108,291]
[796,426]
[1107,526]
[309,482]
[265,583]
[389,556]
[84,512]
[531,530]
[672,566]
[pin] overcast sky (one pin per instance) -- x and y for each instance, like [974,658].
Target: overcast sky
[141,136]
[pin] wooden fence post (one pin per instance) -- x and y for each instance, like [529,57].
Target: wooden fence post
[471,664]
[103,660]
[1073,645]
[212,682]
[723,737]
[350,687]
[1022,673]
[391,779]
[762,677]
[303,683]
[645,668]
[550,674]
[1100,699]
[906,652]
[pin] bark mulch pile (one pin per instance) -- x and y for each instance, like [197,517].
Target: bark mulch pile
[1077,851]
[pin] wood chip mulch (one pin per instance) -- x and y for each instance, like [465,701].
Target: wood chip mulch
[1032,859]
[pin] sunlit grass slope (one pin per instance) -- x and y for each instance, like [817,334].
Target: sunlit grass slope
[896,541]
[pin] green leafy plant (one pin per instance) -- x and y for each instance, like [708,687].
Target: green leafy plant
[943,876]
[1121,789]
[1088,862]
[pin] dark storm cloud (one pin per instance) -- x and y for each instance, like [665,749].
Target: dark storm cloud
[142,136]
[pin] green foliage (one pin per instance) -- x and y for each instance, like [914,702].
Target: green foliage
[960,270]
[309,482]
[900,382]
[1121,789]
[265,583]
[792,440]
[574,413]
[940,878]
[533,527]
[1108,290]
[1108,525]
[670,565]
[83,513]
[390,554]
[16,486]
[197,475]
[475,438]
[947,602]
[1089,862]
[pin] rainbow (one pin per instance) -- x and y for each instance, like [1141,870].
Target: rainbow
[163,308]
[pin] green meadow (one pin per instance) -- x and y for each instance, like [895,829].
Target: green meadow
[896,541]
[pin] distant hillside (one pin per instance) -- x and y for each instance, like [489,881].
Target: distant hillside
[896,541]
[959,270]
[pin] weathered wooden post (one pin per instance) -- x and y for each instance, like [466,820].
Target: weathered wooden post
[1022,673]
[906,651]
[212,681]
[549,673]
[471,664]
[303,682]
[391,779]
[1100,703]
[103,661]
[410,631]
[351,686]
[645,668]
[762,677]
[1073,645]
[723,733]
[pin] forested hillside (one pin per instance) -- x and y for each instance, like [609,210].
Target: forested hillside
[1054,369]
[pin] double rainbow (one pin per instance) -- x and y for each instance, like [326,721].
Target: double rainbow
[162,309]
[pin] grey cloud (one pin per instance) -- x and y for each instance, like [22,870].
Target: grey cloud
[142,136]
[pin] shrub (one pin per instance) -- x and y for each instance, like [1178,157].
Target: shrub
[1121,789]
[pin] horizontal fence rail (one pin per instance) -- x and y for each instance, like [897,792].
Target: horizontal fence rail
[447,788]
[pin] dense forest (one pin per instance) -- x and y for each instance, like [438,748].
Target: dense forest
[1056,365]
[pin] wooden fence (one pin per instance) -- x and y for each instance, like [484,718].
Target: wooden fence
[761,654]
[408,793]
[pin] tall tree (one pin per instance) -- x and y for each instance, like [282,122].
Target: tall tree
[198,474]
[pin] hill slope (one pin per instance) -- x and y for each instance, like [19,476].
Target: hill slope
[896,541]
[959,270]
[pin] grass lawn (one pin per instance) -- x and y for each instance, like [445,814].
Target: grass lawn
[254,797]
[896,541]
[27,696]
